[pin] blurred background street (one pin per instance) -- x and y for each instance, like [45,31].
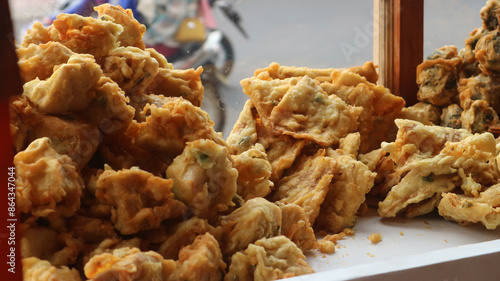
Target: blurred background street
[317,34]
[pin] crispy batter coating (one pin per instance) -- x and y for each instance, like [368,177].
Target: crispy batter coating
[425,113]
[480,87]
[38,34]
[479,117]
[132,29]
[489,14]
[47,182]
[35,269]
[48,244]
[380,163]
[257,218]
[85,35]
[38,61]
[70,135]
[132,68]
[268,259]
[307,183]
[201,260]
[438,174]
[450,116]
[466,210]
[129,264]
[486,52]
[437,80]
[91,230]
[300,108]
[204,178]
[296,227]
[254,171]
[184,233]
[56,96]
[179,83]
[244,132]
[109,110]
[167,130]
[351,181]
[140,201]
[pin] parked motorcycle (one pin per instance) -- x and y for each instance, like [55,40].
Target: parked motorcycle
[186,33]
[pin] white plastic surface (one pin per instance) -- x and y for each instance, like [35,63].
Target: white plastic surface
[422,248]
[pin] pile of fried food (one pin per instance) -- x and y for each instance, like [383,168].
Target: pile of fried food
[121,176]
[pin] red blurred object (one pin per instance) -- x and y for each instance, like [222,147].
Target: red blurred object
[10,256]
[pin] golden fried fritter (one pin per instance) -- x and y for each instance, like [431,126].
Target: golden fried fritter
[486,52]
[306,184]
[300,108]
[132,29]
[203,178]
[179,83]
[450,116]
[425,113]
[296,227]
[201,260]
[268,259]
[38,61]
[254,171]
[351,181]
[184,234]
[85,35]
[132,68]
[167,130]
[437,80]
[489,14]
[479,117]
[244,132]
[56,96]
[140,201]
[257,218]
[48,244]
[480,87]
[467,210]
[35,269]
[47,182]
[129,264]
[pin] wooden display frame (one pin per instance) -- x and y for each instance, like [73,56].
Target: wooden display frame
[398,45]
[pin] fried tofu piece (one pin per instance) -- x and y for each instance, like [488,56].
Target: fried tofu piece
[202,260]
[296,227]
[140,201]
[132,68]
[179,83]
[268,259]
[184,234]
[129,264]
[48,244]
[35,269]
[38,61]
[467,210]
[480,87]
[56,96]
[298,106]
[254,171]
[167,130]
[479,117]
[85,35]
[203,178]
[425,113]
[257,218]
[450,116]
[132,29]
[351,182]
[47,182]
[306,184]
[437,80]
[70,135]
